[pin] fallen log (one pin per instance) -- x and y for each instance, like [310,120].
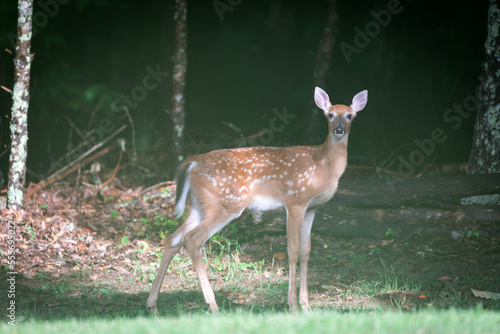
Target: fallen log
[370,208]
[431,192]
[405,214]
[83,159]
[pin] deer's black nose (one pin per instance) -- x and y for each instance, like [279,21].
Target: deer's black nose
[339,130]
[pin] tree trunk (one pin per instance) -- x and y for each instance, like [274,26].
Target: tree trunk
[20,103]
[485,152]
[322,65]
[179,77]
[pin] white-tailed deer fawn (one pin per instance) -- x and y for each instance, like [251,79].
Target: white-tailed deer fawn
[221,184]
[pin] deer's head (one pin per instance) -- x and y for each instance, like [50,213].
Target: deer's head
[340,116]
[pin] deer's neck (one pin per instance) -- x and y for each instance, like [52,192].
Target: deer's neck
[333,155]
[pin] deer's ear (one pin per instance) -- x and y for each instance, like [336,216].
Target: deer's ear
[359,101]
[321,98]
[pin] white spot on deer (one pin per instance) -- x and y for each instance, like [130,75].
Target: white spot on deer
[289,183]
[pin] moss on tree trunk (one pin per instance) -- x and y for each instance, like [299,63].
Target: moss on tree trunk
[485,152]
[20,104]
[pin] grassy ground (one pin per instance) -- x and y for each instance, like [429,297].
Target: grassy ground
[94,268]
[252,296]
[430,321]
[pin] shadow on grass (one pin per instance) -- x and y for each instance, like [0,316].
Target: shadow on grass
[45,299]
[49,301]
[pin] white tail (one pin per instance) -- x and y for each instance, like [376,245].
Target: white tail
[221,184]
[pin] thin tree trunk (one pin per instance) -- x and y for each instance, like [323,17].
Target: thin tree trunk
[322,65]
[179,77]
[20,104]
[485,152]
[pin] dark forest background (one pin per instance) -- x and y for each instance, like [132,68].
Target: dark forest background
[259,57]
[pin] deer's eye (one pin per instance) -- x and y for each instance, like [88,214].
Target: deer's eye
[349,116]
[330,115]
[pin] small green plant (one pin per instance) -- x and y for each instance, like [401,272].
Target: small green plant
[389,233]
[114,214]
[395,282]
[473,234]
[144,271]
[222,245]
[144,248]
[42,275]
[179,265]
[375,251]
[30,232]
[331,257]
[357,259]
[124,240]
[165,225]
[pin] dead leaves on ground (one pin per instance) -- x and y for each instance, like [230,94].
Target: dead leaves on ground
[63,227]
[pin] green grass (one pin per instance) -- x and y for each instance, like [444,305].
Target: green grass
[252,298]
[429,321]
[392,281]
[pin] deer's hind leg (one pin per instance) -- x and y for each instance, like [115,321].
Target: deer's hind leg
[214,221]
[173,243]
